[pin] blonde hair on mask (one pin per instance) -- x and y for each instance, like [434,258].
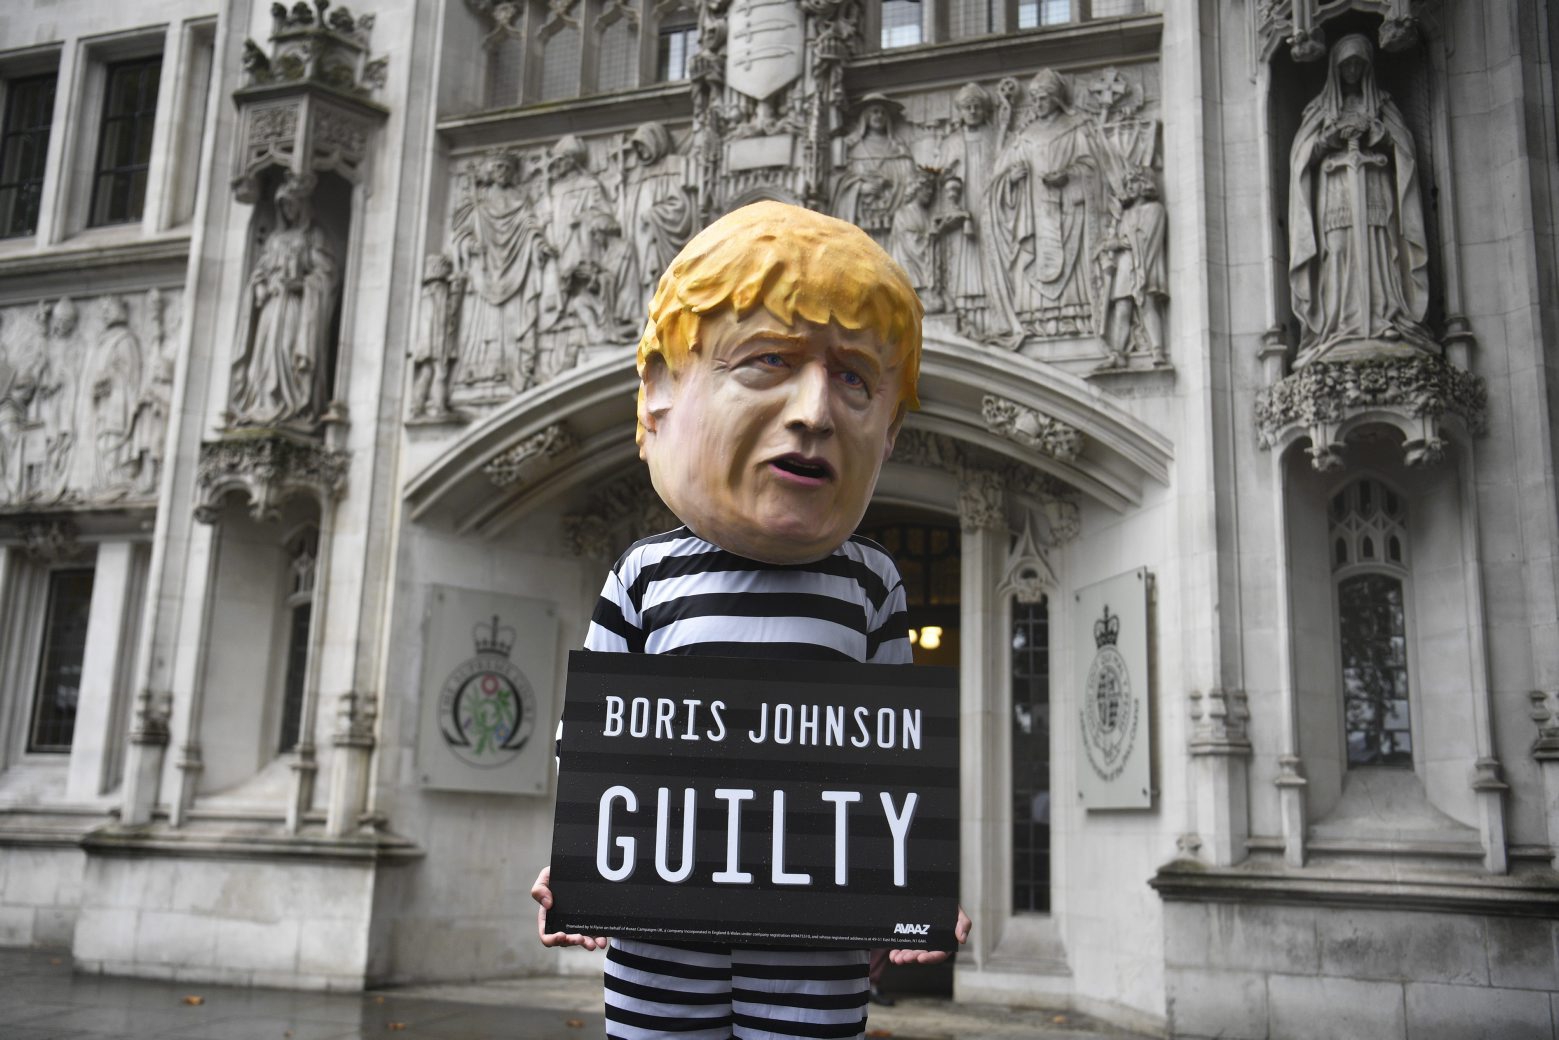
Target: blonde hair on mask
[792,262]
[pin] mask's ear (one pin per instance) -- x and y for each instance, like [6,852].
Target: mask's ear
[655,392]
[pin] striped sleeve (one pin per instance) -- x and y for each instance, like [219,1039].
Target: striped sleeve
[615,626]
[888,640]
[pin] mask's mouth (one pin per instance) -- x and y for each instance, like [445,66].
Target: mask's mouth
[803,466]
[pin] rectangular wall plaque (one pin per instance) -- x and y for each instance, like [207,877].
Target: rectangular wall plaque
[1110,631]
[487,692]
[824,802]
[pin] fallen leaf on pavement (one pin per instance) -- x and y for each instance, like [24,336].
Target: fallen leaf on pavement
[378,1000]
[1059,1020]
[879,1032]
[194,1001]
[395,1027]
[56,961]
[575,1023]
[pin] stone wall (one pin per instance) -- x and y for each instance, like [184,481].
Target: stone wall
[1265,972]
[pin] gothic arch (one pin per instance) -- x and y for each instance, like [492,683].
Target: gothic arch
[577,432]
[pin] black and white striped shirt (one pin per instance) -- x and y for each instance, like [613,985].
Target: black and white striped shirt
[675,593]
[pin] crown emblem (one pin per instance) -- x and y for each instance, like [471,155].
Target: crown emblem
[1107,629]
[493,638]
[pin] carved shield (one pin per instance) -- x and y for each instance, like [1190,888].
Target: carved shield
[765,45]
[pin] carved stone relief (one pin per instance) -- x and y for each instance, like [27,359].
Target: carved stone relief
[512,465]
[613,518]
[1056,501]
[305,106]
[1026,212]
[267,468]
[549,252]
[1032,429]
[1299,24]
[84,393]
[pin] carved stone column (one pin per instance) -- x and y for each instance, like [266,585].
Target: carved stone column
[983,630]
[143,762]
[1545,712]
[354,744]
[1220,761]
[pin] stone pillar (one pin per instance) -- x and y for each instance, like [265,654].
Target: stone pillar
[1220,763]
[110,640]
[143,764]
[354,744]
[984,783]
[189,665]
[1545,712]
[1290,779]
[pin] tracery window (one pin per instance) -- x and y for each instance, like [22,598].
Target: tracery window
[901,23]
[675,45]
[124,152]
[1031,756]
[58,689]
[24,147]
[1368,538]
[303,552]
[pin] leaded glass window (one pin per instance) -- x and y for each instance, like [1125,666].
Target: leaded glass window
[616,64]
[1369,551]
[304,551]
[1031,757]
[675,47]
[24,148]
[560,63]
[901,25]
[59,670]
[124,153]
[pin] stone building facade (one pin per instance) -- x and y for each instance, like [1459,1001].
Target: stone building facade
[1232,494]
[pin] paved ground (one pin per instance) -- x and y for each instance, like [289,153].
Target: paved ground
[41,999]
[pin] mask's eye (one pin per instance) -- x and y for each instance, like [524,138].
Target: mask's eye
[772,360]
[852,379]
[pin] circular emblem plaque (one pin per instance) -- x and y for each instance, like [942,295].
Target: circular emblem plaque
[487,711]
[1109,711]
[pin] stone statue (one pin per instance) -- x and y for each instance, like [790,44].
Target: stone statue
[1358,261]
[499,246]
[53,401]
[433,351]
[1134,272]
[1042,201]
[656,207]
[912,240]
[572,192]
[879,168]
[111,391]
[282,374]
[958,257]
[149,429]
[966,157]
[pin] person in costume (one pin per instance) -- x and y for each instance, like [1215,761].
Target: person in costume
[780,357]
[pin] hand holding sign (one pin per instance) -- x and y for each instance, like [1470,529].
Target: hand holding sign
[541,892]
[802,803]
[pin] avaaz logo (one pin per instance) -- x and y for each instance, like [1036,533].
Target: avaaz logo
[911,929]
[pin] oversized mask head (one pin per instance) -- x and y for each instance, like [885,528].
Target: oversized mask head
[782,351]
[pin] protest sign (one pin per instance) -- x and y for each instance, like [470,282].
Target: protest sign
[770,802]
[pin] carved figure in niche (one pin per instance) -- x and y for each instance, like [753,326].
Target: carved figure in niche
[112,388]
[149,428]
[434,350]
[500,247]
[592,295]
[958,257]
[1358,252]
[572,192]
[879,168]
[657,207]
[912,241]
[52,411]
[1041,201]
[967,155]
[281,375]
[1134,272]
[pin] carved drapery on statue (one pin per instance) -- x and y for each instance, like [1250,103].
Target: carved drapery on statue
[281,375]
[1360,281]
[1358,251]
[84,391]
